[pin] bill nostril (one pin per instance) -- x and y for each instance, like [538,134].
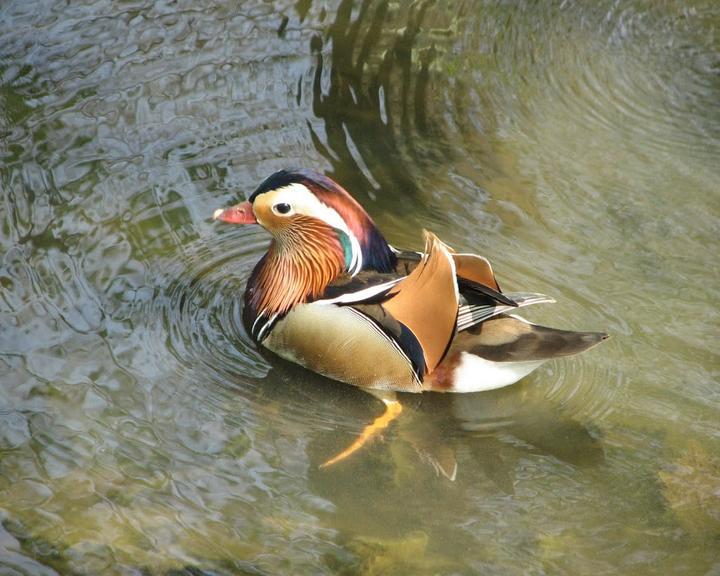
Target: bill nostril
[238,214]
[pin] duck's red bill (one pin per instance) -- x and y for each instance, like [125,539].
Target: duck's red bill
[239,214]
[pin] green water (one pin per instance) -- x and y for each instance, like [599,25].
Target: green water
[575,144]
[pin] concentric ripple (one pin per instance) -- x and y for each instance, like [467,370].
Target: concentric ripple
[199,310]
[197,317]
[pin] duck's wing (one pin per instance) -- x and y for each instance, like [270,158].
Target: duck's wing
[477,279]
[472,313]
[502,350]
[509,338]
[363,288]
[426,301]
[415,307]
[475,269]
[475,276]
[420,306]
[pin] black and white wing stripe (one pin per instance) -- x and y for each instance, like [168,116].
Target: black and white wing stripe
[471,314]
[365,294]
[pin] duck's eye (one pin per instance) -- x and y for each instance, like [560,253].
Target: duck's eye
[281,208]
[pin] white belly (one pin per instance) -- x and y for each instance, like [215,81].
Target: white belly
[475,374]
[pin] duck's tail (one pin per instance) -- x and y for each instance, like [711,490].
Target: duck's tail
[501,350]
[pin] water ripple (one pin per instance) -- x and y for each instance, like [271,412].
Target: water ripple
[575,144]
[200,309]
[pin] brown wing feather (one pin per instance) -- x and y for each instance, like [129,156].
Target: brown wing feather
[470,267]
[475,268]
[427,301]
[510,339]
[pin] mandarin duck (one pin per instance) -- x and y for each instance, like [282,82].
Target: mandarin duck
[332,295]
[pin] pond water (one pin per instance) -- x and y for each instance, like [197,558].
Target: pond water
[575,144]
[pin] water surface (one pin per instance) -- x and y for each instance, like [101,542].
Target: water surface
[574,144]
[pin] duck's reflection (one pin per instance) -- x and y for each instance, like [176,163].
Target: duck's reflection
[451,436]
[445,454]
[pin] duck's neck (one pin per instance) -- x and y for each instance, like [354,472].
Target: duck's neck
[298,267]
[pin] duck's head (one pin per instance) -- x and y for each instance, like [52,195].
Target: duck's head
[307,211]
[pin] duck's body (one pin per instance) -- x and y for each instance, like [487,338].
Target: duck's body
[354,338]
[332,295]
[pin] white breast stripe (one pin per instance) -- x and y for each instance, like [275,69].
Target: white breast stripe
[252,328]
[266,327]
[262,330]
